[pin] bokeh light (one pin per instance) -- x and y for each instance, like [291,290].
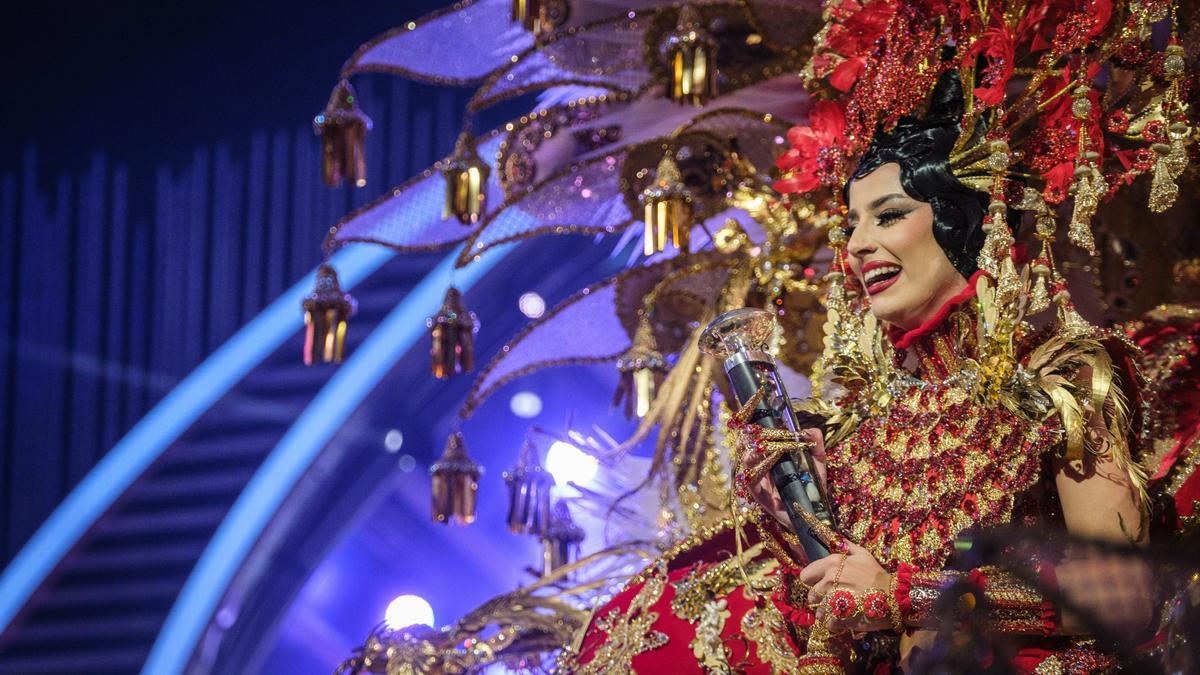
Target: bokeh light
[532,305]
[525,404]
[393,440]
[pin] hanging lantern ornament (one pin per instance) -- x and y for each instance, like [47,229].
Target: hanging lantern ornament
[560,546]
[642,370]
[525,12]
[668,209]
[528,493]
[466,177]
[455,478]
[541,17]
[452,332]
[343,128]
[691,55]
[326,311]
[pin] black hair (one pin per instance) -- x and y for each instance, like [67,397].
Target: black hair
[922,149]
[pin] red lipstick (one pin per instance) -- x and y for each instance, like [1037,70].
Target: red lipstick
[878,283]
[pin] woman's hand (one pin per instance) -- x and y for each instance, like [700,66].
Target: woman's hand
[856,571]
[758,465]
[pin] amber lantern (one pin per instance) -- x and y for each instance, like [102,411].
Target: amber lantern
[452,332]
[560,545]
[529,488]
[343,128]
[691,54]
[466,177]
[668,209]
[541,17]
[455,478]
[642,370]
[326,311]
[524,12]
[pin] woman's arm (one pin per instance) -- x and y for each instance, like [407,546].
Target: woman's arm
[1101,503]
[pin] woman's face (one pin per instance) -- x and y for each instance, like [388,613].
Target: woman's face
[893,254]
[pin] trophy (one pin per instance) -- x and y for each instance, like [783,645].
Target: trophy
[739,338]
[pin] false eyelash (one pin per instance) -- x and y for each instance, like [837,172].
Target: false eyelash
[890,216]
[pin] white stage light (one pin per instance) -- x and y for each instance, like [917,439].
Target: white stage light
[569,464]
[408,610]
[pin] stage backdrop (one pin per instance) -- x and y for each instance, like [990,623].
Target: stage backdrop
[115,281]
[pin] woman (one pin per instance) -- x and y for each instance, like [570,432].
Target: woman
[936,462]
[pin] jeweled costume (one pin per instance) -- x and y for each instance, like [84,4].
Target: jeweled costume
[914,465]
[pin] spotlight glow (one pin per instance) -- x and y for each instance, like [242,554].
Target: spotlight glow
[569,464]
[525,404]
[408,610]
[532,305]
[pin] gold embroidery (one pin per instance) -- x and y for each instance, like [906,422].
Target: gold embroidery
[699,599]
[707,646]
[766,627]
[630,633]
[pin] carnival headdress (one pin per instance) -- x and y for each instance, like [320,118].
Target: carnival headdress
[1064,100]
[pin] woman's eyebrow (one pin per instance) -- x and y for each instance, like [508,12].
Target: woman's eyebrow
[884,199]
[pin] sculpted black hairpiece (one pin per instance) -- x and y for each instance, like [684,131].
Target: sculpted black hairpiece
[922,148]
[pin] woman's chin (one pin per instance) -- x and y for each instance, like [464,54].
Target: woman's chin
[886,312]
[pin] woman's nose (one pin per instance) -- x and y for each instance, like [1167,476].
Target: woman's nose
[859,244]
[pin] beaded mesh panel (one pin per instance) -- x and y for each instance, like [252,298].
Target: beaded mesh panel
[755,136]
[684,300]
[788,23]
[607,53]
[584,197]
[583,329]
[447,47]
[562,130]
[409,218]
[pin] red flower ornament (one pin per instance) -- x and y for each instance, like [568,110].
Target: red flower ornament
[817,151]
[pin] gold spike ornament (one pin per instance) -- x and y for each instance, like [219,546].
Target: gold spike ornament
[455,478]
[466,177]
[342,127]
[668,209]
[326,311]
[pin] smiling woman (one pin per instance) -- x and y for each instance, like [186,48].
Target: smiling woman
[893,252]
[928,446]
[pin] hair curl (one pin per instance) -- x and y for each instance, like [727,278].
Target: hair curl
[922,149]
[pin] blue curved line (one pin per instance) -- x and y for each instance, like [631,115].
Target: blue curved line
[294,453]
[155,432]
